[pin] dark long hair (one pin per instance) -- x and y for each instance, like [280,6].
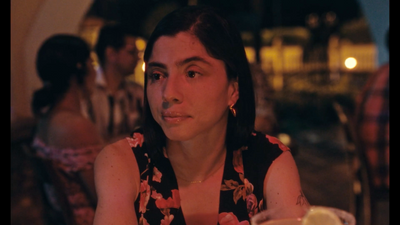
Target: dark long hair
[61,57]
[222,41]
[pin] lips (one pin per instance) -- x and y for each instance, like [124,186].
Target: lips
[174,117]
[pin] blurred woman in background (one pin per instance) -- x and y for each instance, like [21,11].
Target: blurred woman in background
[63,135]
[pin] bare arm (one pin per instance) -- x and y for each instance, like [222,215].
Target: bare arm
[282,188]
[117,184]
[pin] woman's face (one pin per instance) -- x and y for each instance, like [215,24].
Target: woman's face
[188,90]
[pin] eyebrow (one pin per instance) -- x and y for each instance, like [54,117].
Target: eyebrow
[191,59]
[157,64]
[180,63]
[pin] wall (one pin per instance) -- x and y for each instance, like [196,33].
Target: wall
[22,16]
[31,23]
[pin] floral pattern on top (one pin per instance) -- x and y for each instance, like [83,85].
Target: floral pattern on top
[146,191]
[241,195]
[166,204]
[275,140]
[135,140]
[70,161]
[244,191]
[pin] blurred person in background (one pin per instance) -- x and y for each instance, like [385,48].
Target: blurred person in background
[197,159]
[116,104]
[372,127]
[266,121]
[63,135]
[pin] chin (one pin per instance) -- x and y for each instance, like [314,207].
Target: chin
[176,134]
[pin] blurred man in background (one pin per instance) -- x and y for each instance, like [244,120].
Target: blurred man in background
[372,124]
[116,105]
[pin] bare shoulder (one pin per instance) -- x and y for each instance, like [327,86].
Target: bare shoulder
[285,160]
[282,186]
[117,182]
[72,130]
[118,152]
[283,169]
[116,164]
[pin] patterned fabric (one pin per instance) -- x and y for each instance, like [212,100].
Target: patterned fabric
[372,121]
[70,161]
[116,114]
[241,194]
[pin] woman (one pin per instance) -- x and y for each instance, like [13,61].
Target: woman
[199,161]
[63,135]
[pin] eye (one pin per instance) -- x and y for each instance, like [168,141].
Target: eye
[155,76]
[192,74]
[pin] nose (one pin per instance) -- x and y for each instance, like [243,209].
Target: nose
[172,90]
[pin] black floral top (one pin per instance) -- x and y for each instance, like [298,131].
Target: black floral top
[241,193]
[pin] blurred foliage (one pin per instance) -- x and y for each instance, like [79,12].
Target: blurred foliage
[320,84]
[247,38]
[307,101]
[356,31]
[303,110]
[289,35]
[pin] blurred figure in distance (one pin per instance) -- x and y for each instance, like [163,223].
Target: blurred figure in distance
[63,135]
[116,104]
[372,127]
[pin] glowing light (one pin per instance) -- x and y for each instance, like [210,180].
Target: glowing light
[143,66]
[284,138]
[140,44]
[350,63]
[250,54]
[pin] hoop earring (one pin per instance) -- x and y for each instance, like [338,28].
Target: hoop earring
[233,110]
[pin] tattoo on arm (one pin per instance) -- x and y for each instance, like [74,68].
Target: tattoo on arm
[302,200]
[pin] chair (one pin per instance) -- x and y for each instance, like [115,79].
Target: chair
[361,204]
[48,176]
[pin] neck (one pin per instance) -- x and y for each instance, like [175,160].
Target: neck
[195,161]
[71,101]
[113,78]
